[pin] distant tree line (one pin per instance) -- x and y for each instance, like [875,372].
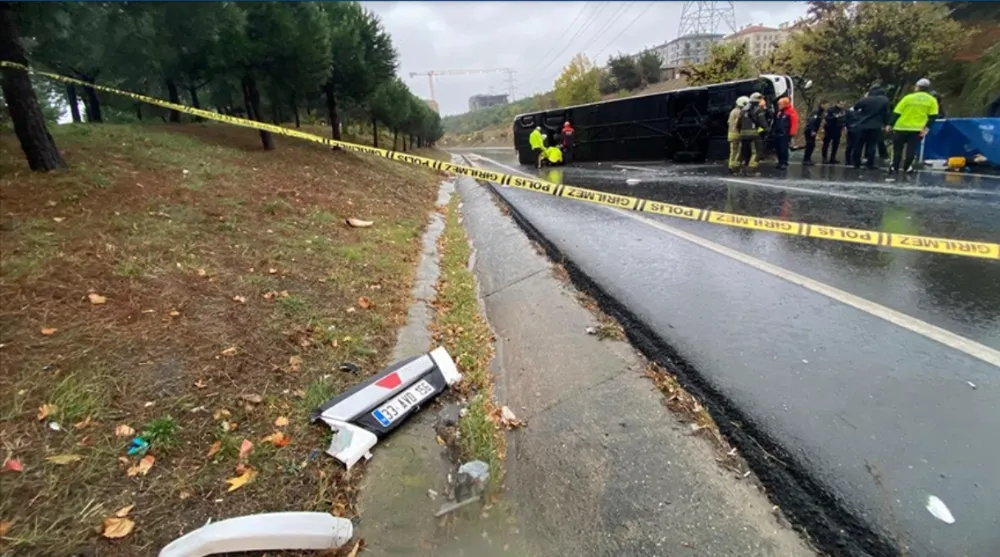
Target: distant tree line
[265,61]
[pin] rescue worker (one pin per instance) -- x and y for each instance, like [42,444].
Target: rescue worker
[913,116]
[783,130]
[873,115]
[567,142]
[833,126]
[812,128]
[537,142]
[851,124]
[752,124]
[758,104]
[734,133]
[553,157]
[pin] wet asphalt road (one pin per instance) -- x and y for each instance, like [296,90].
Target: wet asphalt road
[880,415]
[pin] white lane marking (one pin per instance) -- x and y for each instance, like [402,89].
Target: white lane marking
[649,168]
[912,324]
[789,188]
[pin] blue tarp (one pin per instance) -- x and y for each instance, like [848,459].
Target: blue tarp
[964,137]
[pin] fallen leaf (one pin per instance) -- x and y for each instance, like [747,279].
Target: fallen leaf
[246,447]
[97,299]
[86,422]
[506,418]
[115,528]
[364,302]
[45,410]
[228,426]
[142,467]
[58,219]
[123,460]
[49,331]
[354,550]
[214,449]
[252,398]
[174,313]
[239,299]
[295,363]
[201,384]
[358,223]
[123,512]
[221,413]
[278,439]
[272,271]
[85,441]
[4,526]
[63,458]
[231,351]
[12,465]
[241,480]
[124,431]
[281,421]
[241,468]
[439,440]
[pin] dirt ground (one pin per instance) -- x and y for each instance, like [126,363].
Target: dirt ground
[182,285]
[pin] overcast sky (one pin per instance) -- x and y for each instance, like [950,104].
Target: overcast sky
[536,39]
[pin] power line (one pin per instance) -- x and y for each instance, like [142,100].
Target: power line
[631,23]
[611,22]
[567,44]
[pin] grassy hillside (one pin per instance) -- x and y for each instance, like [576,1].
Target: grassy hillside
[180,284]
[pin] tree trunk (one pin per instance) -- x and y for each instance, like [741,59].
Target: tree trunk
[74,103]
[395,138]
[251,97]
[93,104]
[174,97]
[22,104]
[194,101]
[331,108]
[374,133]
[138,111]
[295,111]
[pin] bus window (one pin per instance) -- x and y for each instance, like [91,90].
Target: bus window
[526,121]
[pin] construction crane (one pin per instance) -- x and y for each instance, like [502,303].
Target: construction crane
[431,73]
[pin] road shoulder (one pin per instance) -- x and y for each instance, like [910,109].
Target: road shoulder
[603,465]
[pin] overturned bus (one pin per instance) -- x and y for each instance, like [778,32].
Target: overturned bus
[688,125]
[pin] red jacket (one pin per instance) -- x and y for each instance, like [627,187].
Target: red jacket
[794,117]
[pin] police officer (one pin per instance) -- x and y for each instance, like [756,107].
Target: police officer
[833,126]
[873,115]
[782,130]
[913,116]
[851,124]
[812,128]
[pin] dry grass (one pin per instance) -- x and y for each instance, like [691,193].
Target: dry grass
[229,275]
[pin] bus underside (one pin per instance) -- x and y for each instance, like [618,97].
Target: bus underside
[688,125]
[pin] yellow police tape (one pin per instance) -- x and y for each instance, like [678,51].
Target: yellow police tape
[965,248]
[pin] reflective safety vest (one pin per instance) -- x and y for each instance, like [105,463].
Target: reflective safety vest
[536,140]
[554,155]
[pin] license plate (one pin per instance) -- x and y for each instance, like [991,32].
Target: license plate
[398,406]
